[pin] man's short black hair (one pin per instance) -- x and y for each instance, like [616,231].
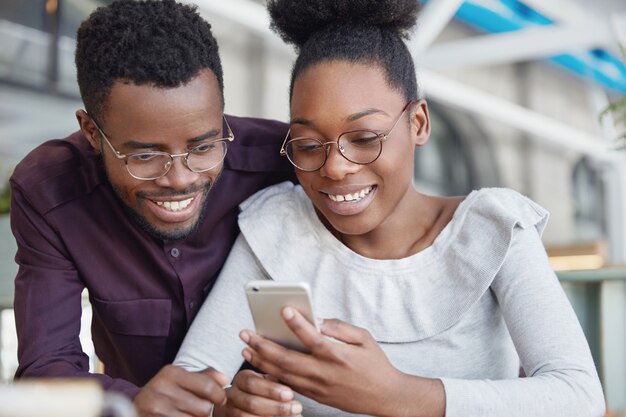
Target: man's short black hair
[157,42]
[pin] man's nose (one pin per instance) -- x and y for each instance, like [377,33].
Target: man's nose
[179,175]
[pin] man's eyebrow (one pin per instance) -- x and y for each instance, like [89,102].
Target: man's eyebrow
[208,135]
[132,144]
[350,118]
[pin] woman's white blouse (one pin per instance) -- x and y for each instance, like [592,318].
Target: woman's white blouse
[469,310]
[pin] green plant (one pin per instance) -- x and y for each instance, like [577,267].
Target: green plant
[618,109]
[5,198]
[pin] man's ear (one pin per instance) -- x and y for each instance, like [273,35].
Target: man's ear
[88,128]
[420,123]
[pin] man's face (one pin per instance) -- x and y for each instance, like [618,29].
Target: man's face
[144,118]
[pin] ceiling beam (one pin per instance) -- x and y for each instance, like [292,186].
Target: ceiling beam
[523,45]
[433,18]
[593,16]
[564,11]
[551,131]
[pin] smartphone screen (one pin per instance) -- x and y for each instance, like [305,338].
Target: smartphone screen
[267,298]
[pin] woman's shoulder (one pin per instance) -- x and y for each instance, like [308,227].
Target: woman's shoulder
[469,253]
[279,213]
[280,196]
[499,207]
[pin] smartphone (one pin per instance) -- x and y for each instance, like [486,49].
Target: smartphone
[267,298]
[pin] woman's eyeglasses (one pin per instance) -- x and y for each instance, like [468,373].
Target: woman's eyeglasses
[358,146]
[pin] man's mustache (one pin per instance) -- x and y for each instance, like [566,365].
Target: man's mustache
[192,189]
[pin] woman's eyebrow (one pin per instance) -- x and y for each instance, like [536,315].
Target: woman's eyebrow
[366,112]
[301,121]
[350,118]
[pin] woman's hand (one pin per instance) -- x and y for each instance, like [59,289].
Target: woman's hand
[354,376]
[252,394]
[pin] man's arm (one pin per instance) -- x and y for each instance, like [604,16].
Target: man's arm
[48,302]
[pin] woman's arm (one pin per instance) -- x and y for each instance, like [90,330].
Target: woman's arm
[562,379]
[213,341]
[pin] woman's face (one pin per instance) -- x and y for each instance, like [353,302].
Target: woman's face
[335,97]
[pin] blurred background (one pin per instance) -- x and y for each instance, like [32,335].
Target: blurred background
[515,89]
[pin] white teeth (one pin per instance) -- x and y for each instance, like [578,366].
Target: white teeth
[174,205]
[351,197]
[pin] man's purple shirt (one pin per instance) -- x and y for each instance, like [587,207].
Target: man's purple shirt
[73,232]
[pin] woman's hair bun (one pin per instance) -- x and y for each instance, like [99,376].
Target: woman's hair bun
[296,20]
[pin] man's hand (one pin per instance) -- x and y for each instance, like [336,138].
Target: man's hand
[175,392]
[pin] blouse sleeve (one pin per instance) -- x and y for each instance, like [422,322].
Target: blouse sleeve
[562,379]
[213,338]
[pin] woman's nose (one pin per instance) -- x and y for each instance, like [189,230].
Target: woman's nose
[337,166]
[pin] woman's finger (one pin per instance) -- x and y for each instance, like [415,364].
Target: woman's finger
[269,352]
[257,384]
[254,394]
[295,380]
[303,329]
[344,332]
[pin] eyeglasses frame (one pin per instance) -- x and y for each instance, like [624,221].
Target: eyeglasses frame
[185,155]
[382,137]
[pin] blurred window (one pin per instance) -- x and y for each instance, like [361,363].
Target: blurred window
[589,202]
[458,157]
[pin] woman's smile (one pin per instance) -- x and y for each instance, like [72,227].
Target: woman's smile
[351,202]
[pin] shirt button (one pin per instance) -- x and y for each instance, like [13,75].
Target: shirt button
[175,252]
[191,304]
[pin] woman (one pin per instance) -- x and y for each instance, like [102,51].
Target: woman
[445,297]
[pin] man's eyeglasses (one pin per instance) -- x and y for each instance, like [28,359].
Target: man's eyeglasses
[153,165]
[358,146]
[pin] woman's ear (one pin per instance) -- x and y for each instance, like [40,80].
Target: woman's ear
[420,123]
[88,128]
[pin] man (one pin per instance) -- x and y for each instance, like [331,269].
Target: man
[139,207]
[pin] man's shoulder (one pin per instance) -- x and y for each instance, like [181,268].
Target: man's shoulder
[252,131]
[256,147]
[57,171]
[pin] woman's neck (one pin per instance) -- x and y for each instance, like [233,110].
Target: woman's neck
[413,227]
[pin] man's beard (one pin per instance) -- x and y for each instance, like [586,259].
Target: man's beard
[177,234]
